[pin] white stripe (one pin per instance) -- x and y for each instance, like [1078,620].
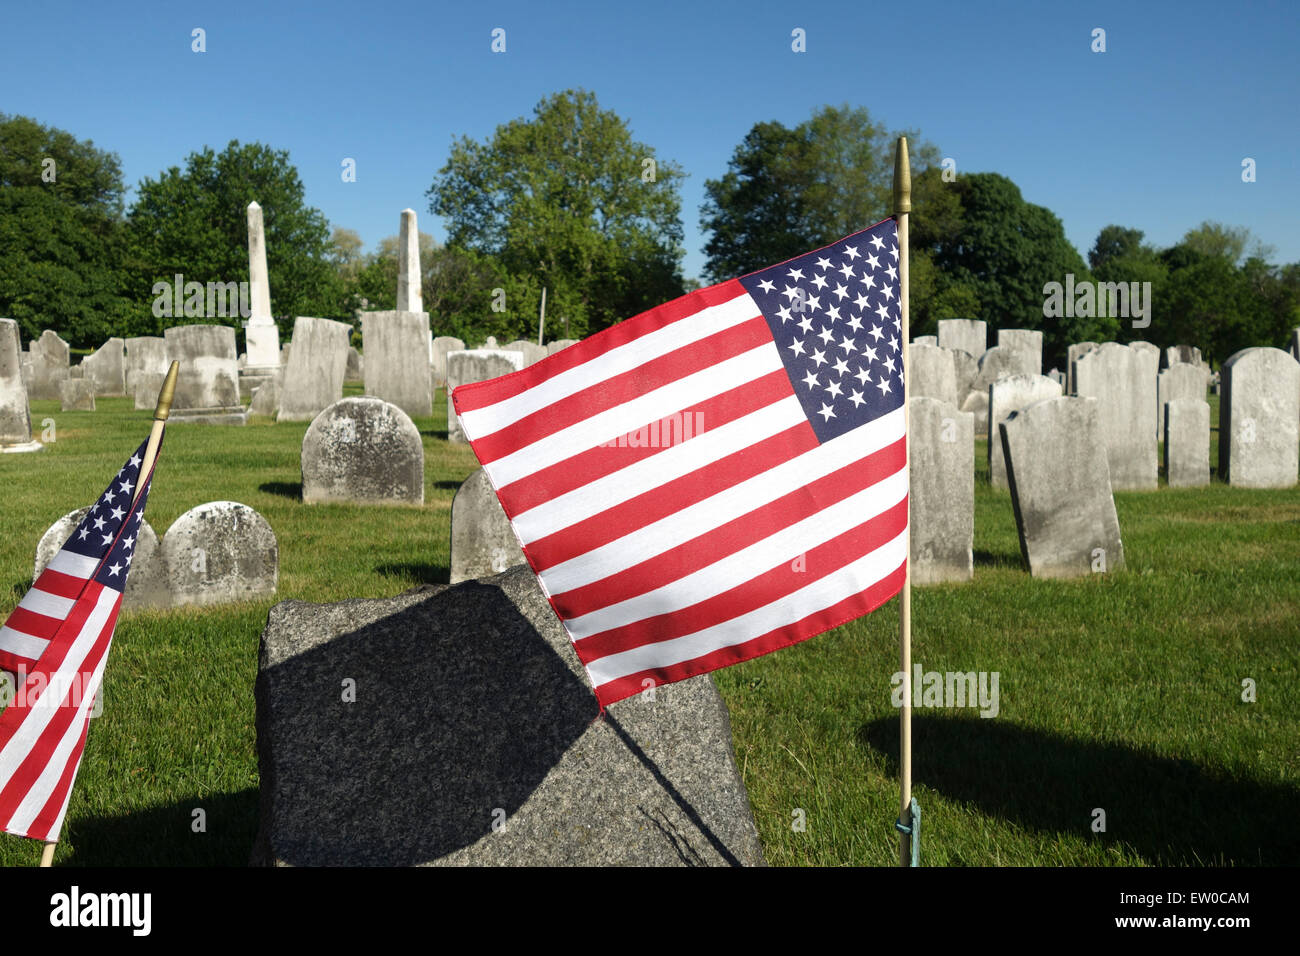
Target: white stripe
[16,748]
[43,602]
[735,569]
[21,644]
[613,489]
[624,358]
[715,511]
[76,565]
[663,401]
[823,593]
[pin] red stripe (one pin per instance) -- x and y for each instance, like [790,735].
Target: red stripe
[846,610]
[759,591]
[29,622]
[60,584]
[735,535]
[669,498]
[629,385]
[587,466]
[42,826]
[476,395]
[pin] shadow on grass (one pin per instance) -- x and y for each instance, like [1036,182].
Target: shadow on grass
[435,433]
[285,489]
[448,485]
[1172,812]
[164,836]
[421,572]
[991,559]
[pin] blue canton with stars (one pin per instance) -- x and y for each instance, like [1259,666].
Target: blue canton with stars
[98,534]
[834,317]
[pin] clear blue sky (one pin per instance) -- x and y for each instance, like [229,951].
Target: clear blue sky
[1149,134]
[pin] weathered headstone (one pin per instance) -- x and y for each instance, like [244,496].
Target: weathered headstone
[433,769]
[1180,380]
[266,397]
[482,541]
[1075,352]
[106,367]
[1024,340]
[77,395]
[207,386]
[559,345]
[932,340]
[317,365]
[49,365]
[997,362]
[1259,419]
[1295,344]
[532,351]
[144,353]
[942,494]
[1117,376]
[145,389]
[354,371]
[362,450]
[441,346]
[1148,357]
[969,335]
[1187,442]
[220,552]
[146,581]
[15,419]
[931,373]
[1183,354]
[396,346]
[1060,488]
[410,295]
[1007,395]
[1058,377]
[475,365]
[966,367]
[261,334]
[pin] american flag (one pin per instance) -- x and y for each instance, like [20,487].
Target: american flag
[56,641]
[718,477]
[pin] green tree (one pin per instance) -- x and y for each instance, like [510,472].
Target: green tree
[790,190]
[1231,243]
[60,234]
[570,201]
[194,222]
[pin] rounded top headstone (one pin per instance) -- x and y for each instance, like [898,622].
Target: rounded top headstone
[365,451]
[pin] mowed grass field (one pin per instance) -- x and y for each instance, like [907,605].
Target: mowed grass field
[1120,693]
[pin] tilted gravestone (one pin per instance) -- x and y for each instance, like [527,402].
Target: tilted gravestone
[1259,419]
[1180,380]
[317,366]
[265,400]
[931,373]
[207,385]
[997,362]
[362,450]
[1024,340]
[146,582]
[1117,377]
[106,367]
[49,366]
[1007,395]
[144,353]
[941,500]
[475,365]
[482,541]
[1187,442]
[220,552]
[77,395]
[1060,488]
[969,335]
[454,725]
[396,346]
[15,419]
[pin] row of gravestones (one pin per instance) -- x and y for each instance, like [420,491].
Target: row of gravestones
[216,553]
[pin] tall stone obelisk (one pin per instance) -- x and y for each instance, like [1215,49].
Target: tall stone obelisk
[410,298]
[261,336]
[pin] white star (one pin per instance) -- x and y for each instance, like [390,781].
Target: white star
[855,323]
[792,292]
[108,495]
[823,263]
[846,270]
[893,343]
[784,313]
[129,542]
[115,569]
[876,332]
[888,293]
[83,533]
[766,285]
[95,509]
[819,281]
[847,345]
[135,460]
[873,262]
[117,513]
[139,516]
[99,524]
[126,486]
[108,539]
[856,398]
[826,335]
[851,252]
[795,274]
[889,364]
[826,413]
[883,385]
[806,323]
[870,353]
[869,281]
[883,312]
[813,303]
[891,272]
[841,366]
[819,357]
[834,389]
[810,379]
[893,251]
[877,242]
[841,291]
[862,376]
[834,312]
[796,347]
[860,301]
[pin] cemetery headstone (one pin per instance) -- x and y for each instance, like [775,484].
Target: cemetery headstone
[207,386]
[1184,354]
[261,334]
[362,450]
[396,346]
[966,367]
[1180,380]
[77,395]
[482,541]
[428,766]
[942,494]
[932,340]
[15,419]
[1075,352]
[49,365]
[532,351]
[931,373]
[410,296]
[266,397]
[106,368]
[1024,340]
[146,582]
[559,345]
[441,346]
[145,389]
[1060,488]
[969,335]
[218,553]
[354,371]
[144,353]
[997,362]
[1117,376]
[1007,395]
[317,366]
[1259,419]
[475,365]
[1148,357]
[1187,442]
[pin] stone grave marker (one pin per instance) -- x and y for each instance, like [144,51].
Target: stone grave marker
[220,552]
[362,450]
[482,541]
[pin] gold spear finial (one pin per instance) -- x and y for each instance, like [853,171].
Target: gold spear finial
[168,392]
[902,178]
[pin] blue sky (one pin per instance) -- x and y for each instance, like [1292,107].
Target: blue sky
[1150,134]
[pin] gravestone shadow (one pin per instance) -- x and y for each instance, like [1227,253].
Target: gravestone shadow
[285,489]
[421,572]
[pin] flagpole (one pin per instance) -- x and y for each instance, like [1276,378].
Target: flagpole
[902,210]
[161,411]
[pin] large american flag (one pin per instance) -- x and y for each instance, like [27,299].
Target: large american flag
[717,478]
[56,641]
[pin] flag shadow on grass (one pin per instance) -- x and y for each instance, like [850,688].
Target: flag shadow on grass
[1172,812]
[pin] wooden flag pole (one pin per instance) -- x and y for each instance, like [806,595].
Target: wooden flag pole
[161,411]
[902,210]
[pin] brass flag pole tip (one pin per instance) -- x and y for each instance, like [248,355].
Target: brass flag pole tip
[168,392]
[902,178]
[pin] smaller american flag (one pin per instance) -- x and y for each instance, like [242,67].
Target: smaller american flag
[56,642]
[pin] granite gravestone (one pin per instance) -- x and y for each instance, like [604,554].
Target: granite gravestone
[396,347]
[317,366]
[1117,377]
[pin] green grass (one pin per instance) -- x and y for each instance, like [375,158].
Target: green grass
[1120,692]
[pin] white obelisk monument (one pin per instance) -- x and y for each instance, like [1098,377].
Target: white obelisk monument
[409,296]
[261,336]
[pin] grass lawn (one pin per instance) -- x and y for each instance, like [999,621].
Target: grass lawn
[1119,692]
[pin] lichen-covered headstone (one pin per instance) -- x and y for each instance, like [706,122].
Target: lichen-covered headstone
[482,541]
[220,552]
[942,495]
[362,450]
[146,581]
